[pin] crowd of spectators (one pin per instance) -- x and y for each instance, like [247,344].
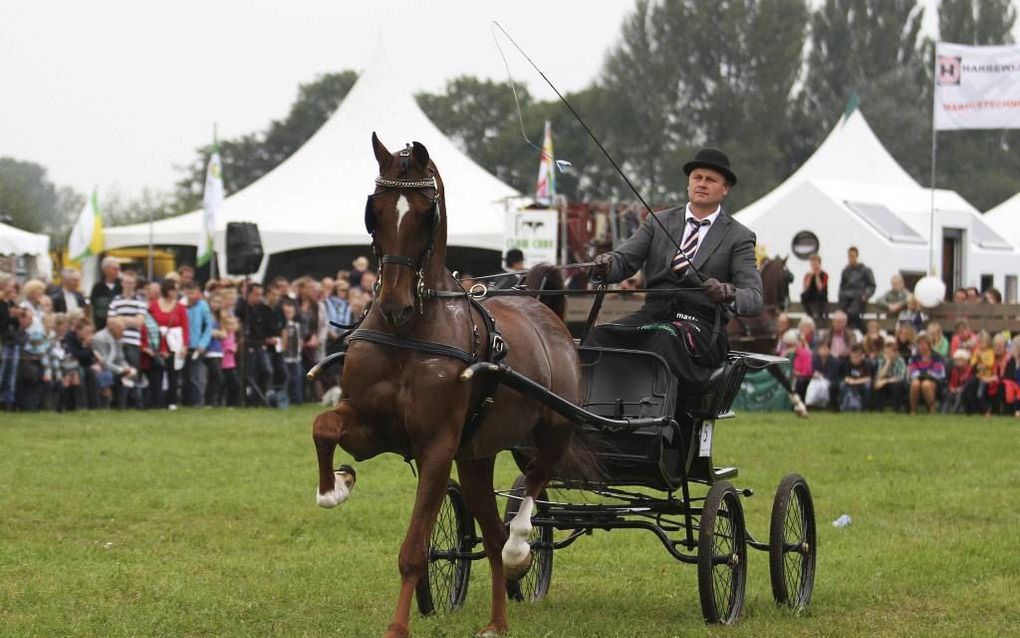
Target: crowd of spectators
[160,344]
[854,365]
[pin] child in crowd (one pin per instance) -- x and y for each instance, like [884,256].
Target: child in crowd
[1012,382]
[292,353]
[905,338]
[231,382]
[890,378]
[795,349]
[913,314]
[34,364]
[982,359]
[80,360]
[213,358]
[873,341]
[963,337]
[856,372]
[960,389]
[927,373]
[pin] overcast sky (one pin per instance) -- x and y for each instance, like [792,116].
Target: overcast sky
[114,94]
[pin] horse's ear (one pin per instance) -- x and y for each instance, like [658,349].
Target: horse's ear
[784,259]
[382,155]
[420,155]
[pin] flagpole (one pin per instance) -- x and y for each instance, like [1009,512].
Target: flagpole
[931,290]
[212,265]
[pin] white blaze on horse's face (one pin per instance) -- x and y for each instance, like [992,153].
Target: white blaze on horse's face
[402,207]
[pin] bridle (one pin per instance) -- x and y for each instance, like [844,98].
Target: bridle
[418,265]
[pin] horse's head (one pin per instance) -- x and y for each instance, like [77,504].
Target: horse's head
[775,280]
[406,218]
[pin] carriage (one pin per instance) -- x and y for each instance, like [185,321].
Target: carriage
[424,378]
[657,448]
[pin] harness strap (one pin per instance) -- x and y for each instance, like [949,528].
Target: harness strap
[386,339]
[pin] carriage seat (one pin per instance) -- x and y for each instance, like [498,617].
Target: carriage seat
[712,398]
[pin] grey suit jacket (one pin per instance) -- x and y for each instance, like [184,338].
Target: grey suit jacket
[727,254]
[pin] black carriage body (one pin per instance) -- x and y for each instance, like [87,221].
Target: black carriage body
[633,385]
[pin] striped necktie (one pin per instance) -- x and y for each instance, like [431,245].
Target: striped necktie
[679,263]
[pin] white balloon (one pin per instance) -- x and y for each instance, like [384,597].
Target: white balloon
[930,291]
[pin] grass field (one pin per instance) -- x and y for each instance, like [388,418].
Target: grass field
[203,523]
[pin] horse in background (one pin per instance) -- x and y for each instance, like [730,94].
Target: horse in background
[758,334]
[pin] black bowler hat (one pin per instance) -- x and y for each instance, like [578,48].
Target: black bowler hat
[513,256]
[712,158]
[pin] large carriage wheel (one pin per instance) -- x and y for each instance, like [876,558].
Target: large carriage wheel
[722,555]
[444,585]
[792,543]
[534,585]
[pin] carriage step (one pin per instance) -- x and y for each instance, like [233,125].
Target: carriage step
[722,473]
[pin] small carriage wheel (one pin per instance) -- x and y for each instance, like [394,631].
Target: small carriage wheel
[722,555]
[444,585]
[792,543]
[534,585]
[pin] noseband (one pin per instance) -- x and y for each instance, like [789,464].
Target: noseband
[418,265]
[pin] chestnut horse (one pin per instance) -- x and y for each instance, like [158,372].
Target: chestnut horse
[412,402]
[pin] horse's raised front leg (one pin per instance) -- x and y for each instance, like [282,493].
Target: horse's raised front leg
[433,476]
[340,426]
[476,481]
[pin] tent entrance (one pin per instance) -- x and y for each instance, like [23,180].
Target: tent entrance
[952,259]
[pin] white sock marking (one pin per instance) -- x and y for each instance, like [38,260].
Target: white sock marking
[402,207]
[516,550]
[337,496]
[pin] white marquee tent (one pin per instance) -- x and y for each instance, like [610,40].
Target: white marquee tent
[851,192]
[316,197]
[14,241]
[1005,220]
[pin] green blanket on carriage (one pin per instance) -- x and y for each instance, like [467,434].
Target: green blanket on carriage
[760,392]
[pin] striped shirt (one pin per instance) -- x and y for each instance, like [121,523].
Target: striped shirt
[129,307]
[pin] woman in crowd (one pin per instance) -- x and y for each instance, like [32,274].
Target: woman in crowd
[905,338]
[81,366]
[172,319]
[963,337]
[311,317]
[927,373]
[939,343]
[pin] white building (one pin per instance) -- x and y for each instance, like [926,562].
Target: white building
[851,192]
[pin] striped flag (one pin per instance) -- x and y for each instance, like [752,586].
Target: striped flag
[86,238]
[212,200]
[545,188]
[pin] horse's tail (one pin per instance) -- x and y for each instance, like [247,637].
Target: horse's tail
[582,459]
[547,277]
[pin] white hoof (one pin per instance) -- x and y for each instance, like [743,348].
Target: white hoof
[798,406]
[339,494]
[517,551]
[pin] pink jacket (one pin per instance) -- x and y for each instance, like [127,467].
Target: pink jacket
[229,344]
[802,362]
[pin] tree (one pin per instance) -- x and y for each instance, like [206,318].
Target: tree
[248,157]
[28,198]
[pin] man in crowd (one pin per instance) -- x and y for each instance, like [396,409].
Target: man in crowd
[130,307]
[856,285]
[69,298]
[116,375]
[104,291]
[839,338]
[261,334]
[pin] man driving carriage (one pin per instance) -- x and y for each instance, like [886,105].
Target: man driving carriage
[711,278]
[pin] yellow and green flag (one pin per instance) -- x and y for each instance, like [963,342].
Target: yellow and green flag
[212,200]
[87,235]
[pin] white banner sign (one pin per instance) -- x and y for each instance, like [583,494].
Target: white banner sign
[977,87]
[534,232]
